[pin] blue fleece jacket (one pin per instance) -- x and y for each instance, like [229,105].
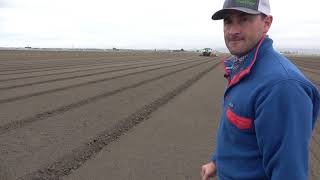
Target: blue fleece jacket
[269,111]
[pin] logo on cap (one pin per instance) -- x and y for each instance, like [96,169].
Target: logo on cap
[246,3]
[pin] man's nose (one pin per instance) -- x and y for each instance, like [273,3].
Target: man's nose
[234,29]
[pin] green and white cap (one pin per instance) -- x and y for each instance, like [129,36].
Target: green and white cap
[247,6]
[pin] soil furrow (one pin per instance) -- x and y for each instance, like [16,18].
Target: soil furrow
[64,64]
[63,113]
[87,68]
[55,68]
[31,106]
[91,67]
[12,99]
[77,76]
[20,123]
[41,69]
[24,60]
[74,160]
[84,64]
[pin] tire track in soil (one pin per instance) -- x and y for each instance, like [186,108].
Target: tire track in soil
[12,99]
[41,116]
[74,160]
[88,68]
[78,76]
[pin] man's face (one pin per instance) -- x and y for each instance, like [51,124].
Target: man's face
[243,31]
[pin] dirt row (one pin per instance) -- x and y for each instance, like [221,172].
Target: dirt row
[69,70]
[36,59]
[55,77]
[45,97]
[51,124]
[39,65]
[107,115]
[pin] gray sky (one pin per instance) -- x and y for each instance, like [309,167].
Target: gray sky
[143,24]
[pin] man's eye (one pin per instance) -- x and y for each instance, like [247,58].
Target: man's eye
[226,21]
[244,19]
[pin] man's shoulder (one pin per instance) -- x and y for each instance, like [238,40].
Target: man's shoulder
[274,68]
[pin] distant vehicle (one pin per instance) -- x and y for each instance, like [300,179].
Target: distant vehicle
[178,50]
[208,52]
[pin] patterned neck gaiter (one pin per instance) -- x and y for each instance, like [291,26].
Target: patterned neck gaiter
[237,63]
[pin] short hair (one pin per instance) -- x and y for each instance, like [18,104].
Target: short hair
[263,16]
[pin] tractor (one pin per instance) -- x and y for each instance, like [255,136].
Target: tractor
[208,52]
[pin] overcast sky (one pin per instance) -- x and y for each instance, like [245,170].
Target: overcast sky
[144,24]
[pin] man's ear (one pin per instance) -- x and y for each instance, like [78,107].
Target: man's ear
[267,23]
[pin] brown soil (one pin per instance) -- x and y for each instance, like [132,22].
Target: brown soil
[114,115]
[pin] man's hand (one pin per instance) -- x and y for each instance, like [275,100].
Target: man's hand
[208,170]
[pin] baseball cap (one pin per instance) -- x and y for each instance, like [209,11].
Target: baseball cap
[247,6]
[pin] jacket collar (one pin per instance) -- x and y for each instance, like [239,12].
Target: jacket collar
[248,63]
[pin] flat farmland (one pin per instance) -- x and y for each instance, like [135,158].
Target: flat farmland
[114,115]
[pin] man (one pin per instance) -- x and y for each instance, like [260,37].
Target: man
[270,107]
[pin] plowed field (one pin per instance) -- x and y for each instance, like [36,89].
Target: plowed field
[114,115]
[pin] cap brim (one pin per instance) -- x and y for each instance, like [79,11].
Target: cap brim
[222,13]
